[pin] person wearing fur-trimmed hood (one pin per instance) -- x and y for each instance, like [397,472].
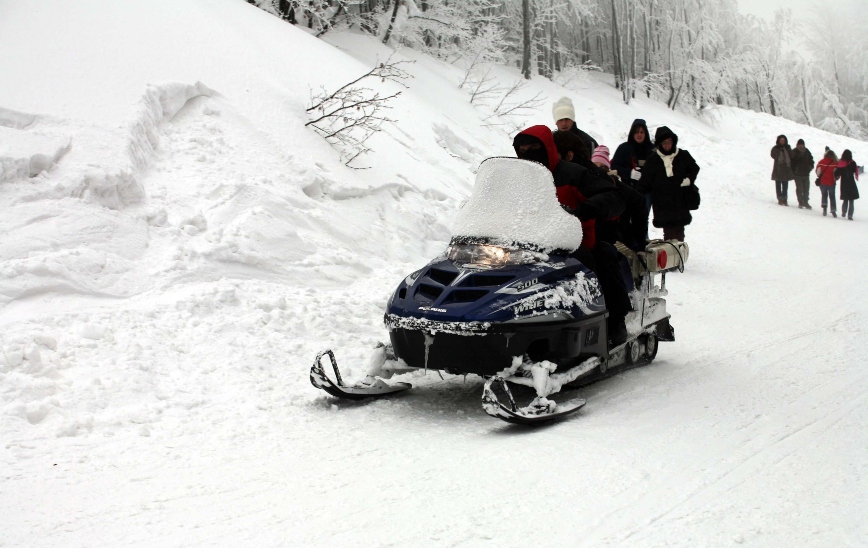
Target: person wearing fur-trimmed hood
[668,173]
[782,172]
[630,156]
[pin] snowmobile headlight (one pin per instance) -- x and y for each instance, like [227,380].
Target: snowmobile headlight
[486,256]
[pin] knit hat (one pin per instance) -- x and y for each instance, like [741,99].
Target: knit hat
[563,108]
[601,155]
[800,142]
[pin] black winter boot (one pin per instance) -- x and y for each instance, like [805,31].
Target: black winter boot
[617,332]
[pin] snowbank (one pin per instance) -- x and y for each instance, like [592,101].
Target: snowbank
[26,153]
[514,201]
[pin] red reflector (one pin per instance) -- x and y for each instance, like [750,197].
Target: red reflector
[661,258]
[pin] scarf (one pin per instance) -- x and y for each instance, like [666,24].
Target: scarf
[845,163]
[667,160]
[783,156]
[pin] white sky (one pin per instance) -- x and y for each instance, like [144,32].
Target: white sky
[766,8]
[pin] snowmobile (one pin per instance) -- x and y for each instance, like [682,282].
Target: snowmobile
[509,302]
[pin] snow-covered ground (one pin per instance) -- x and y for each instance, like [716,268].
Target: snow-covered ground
[177,246]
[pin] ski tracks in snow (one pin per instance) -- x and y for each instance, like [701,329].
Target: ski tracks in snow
[800,434]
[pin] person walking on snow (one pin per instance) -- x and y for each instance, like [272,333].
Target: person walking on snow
[782,172]
[565,116]
[668,172]
[848,172]
[630,156]
[826,173]
[802,163]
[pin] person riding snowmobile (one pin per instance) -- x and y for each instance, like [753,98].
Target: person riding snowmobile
[590,198]
[631,226]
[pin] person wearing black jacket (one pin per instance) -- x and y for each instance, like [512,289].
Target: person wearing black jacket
[848,172]
[630,156]
[629,228]
[668,173]
[591,198]
[782,172]
[802,164]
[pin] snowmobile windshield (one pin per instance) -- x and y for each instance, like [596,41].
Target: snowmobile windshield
[488,256]
[514,205]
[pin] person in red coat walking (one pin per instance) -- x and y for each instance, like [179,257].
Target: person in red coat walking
[826,173]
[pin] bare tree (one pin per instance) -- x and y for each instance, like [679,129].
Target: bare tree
[348,117]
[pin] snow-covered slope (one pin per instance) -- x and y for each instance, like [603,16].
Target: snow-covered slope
[177,246]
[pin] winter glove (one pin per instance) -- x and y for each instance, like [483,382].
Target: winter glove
[685,182]
[635,174]
[586,212]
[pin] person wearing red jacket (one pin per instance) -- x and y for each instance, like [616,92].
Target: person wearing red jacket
[826,175]
[591,198]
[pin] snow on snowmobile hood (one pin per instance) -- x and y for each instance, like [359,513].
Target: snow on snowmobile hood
[514,201]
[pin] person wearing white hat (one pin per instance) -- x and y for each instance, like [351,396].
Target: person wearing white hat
[565,116]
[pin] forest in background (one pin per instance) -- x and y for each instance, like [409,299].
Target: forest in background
[810,67]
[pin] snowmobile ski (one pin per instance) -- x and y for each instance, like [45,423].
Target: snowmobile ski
[370,387]
[539,411]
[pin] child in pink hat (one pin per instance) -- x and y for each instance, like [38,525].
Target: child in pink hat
[601,157]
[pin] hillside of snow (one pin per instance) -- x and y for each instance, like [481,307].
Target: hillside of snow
[177,247]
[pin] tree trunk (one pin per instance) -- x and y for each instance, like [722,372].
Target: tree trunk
[555,46]
[616,49]
[759,96]
[631,46]
[647,44]
[392,21]
[366,10]
[671,73]
[286,11]
[772,107]
[539,42]
[806,108]
[525,37]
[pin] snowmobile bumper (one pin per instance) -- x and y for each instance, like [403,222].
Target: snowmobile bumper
[486,349]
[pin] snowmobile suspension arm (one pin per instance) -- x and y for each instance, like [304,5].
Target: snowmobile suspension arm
[331,356]
[502,381]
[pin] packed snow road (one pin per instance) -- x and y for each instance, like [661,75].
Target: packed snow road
[166,285]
